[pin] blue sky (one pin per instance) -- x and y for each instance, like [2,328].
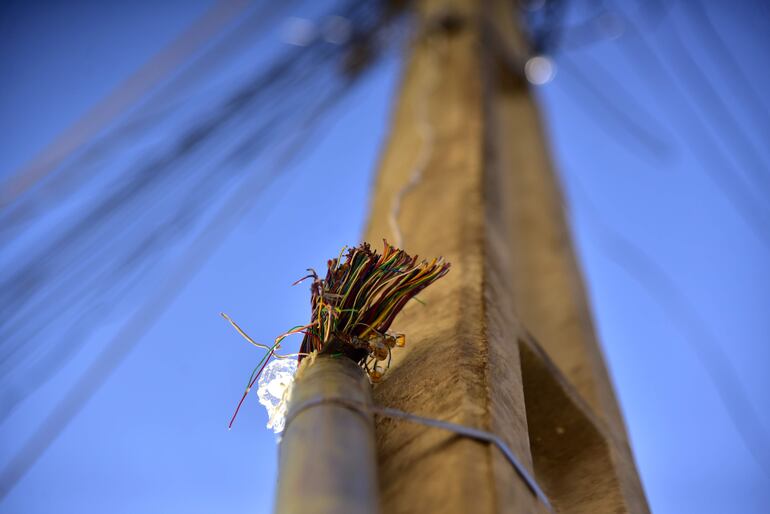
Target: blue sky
[155,438]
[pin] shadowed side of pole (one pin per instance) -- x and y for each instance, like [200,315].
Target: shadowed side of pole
[327,455]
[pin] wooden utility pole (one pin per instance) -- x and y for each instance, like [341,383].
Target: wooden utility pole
[505,342]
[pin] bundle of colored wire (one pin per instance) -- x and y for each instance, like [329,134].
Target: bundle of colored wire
[354,306]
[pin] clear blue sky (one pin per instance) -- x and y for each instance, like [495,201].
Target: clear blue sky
[155,438]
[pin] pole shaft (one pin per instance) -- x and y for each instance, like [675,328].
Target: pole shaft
[327,455]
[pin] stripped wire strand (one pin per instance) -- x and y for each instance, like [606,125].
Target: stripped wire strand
[262,363]
[253,342]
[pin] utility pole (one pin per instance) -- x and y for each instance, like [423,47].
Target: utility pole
[506,342]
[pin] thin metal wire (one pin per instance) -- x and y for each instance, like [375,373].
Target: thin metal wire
[465,431]
[248,338]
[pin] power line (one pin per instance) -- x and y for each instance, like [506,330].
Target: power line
[124,95]
[241,201]
[653,141]
[72,170]
[734,76]
[690,73]
[702,144]
[663,289]
[70,255]
[550,35]
[154,202]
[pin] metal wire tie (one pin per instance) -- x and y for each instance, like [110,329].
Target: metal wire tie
[469,432]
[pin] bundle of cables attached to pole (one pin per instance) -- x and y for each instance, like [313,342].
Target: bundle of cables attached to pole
[325,389]
[353,308]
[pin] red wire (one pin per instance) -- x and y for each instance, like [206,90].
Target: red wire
[246,392]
